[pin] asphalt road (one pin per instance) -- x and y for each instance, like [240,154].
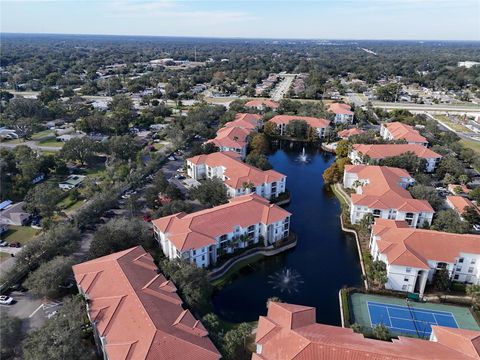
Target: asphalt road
[31,144]
[282,88]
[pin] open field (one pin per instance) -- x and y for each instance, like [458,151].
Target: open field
[21,234]
[455,126]
[474,145]
[4,256]
[43,134]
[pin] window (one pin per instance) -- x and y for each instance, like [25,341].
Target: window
[456,277]
[470,269]
[473,261]
[251,228]
[194,252]
[441,265]
[405,279]
[460,260]
[458,269]
[376,213]
[404,287]
[223,238]
[408,269]
[203,257]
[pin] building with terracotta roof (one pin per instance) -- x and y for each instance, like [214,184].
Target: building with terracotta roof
[400,131]
[136,313]
[203,236]
[345,134]
[238,177]
[413,256]
[232,139]
[252,122]
[319,124]
[381,191]
[343,113]
[262,104]
[457,189]
[290,332]
[460,204]
[362,153]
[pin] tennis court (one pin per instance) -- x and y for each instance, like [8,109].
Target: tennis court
[404,319]
[407,319]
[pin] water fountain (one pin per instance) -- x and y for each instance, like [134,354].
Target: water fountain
[303,157]
[286,280]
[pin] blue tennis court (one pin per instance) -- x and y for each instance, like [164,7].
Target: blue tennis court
[412,321]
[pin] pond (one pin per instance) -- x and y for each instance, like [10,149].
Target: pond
[324,260]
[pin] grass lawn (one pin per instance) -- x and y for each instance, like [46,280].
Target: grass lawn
[13,141]
[42,134]
[158,146]
[474,145]
[51,142]
[4,256]
[455,126]
[21,234]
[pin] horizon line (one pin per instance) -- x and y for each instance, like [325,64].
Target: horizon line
[236,37]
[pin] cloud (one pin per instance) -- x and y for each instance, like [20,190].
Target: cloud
[170,9]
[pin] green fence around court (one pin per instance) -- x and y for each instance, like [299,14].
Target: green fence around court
[359,310]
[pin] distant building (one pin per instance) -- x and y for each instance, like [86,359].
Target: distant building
[401,131]
[8,133]
[413,256]
[252,122]
[262,104]
[319,124]
[343,113]
[468,64]
[73,181]
[232,139]
[13,214]
[136,312]
[290,332]
[373,153]
[238,177]
[381,191]
[204,236]
[345,134]
[457,189]
[460,204]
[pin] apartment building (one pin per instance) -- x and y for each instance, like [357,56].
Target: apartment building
[319,124]
[400,131]
[343,113]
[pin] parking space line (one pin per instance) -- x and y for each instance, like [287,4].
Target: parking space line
[35,311]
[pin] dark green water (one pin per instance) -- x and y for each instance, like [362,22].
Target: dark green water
[325,258]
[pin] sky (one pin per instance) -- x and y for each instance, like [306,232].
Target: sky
[281,19]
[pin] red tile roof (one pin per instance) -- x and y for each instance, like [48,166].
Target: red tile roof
[199,229]
[339,108]
[246,121]
[258,103]
[311,121]
[401,131]
[232,137]
[237,172]
[345,134]
[383,191]
[381,151]
[406,246]
[138,311]
[289,332]
[453,187]
[459,203]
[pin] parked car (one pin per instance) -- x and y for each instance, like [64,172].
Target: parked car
[171,158]
[17,287]
[3,243]
[6,300]
[476,227]
[15,244]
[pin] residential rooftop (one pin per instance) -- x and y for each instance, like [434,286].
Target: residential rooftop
[345,134]
[339,108]
[237,172]
[265,103]
[411,247]
[137,310]
[290,332]
[401,131]
[381,151]
[231,137]
[200,229]
[244,120]
[311,121]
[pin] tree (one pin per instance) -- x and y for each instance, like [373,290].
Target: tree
[471,215]
[449,221]
[270,129]
[259,143]
[408,161]
[46,281]
[331,175]
[356,327]
[343,148]
[10,331]
[80,150]
[273,299]
[381,332]
[234,342]
[450,165]
[473,291]
[122,147]
[378,272]
[212,324]
[43,199]
[48,94]
[193,282]
[366,221]
[475,194]
[387,92]
[297,129]
[120,234]
[66,335]
[423,192]
[210,192]
[259,161]
[441,280]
